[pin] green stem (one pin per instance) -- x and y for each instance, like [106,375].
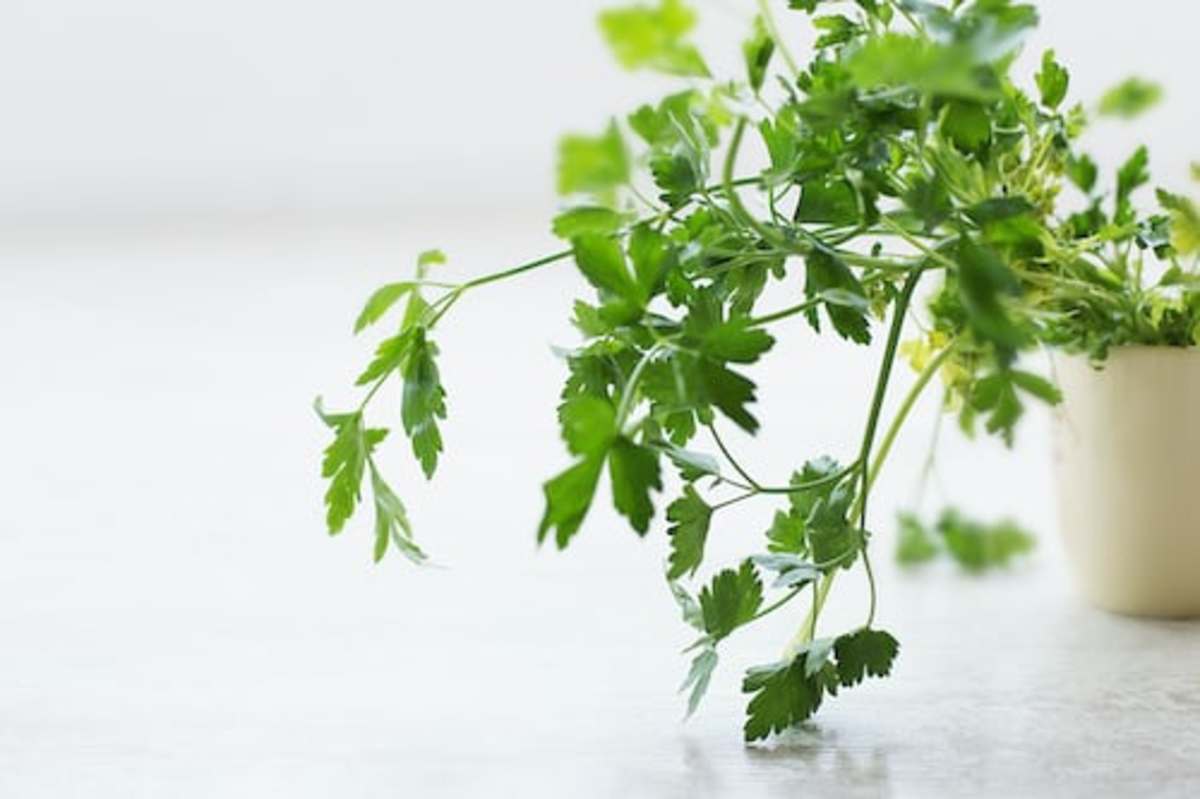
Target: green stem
[777,605]
[516,270]
[807,631]
[906,407]
[881,386]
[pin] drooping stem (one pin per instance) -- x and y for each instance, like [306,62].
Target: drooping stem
[807,631]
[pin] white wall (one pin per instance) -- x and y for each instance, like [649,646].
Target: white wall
[129,108]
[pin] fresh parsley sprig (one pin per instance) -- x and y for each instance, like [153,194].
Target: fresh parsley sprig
[908,176]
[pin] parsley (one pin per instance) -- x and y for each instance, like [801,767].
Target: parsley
[905,159]
[975,546]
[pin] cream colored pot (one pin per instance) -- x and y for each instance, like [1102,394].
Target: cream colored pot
[1127,458]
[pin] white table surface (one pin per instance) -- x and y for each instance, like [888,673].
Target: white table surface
[176,624]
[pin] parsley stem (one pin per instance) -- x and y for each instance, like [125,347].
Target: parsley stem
[736,500]
[881,387]
[821,593]
[906,407]
[769,609]
[712,428]
[516,270]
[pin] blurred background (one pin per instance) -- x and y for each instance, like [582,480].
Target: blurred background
[196,198]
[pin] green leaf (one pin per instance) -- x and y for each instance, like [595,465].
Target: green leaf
[1083,172]
[736,341]
[588,220]
[914,544]
[784,695]
[592,165]
[693,465]
[1053,81]
[423,401]
[1132,175]
[429,258]
[643,36]
[568,499]
[828,202]
[758,50]
[389,357]
[345,463]
[589,424]
[731,601]
[634,472]
[983,280]
[380,303]
[689,608]
[1185,222]
[833,538]
[1038,386]
[894,59]
[865,653]
[835,30]
[602,262]
[997,396]
[699,677]
[391,523]
[792,570]
[729,392]
[653,255]
[827,272]
[979,547]
[690,516]
[968,126]
[787,533]
[1130,99]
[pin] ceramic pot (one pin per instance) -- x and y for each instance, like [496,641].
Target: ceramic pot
[1127,464]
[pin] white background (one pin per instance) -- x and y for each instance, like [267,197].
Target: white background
[196,197]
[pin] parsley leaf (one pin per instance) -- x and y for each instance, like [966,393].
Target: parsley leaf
[1053,81]
[391,523]
[827,273]
[978,547]
[345,463]
[758,50]
[690,516]
[1130,99]
[568,498]
[634,471]
[785,694]
[653,37]
[587,220]
[731,600]
[864,653]
[914,544]
[699,677]
[423,402]
[593,165]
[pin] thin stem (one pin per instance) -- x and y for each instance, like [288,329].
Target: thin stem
[776,606]
[631,385]
[732,460]
[785,313]
[517,270]
[906,407]
[735,201]
[807,631]
[885,374]
[736,500]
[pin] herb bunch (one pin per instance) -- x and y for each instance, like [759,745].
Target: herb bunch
[906,170]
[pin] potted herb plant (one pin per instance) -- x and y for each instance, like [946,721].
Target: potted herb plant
[909,175]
